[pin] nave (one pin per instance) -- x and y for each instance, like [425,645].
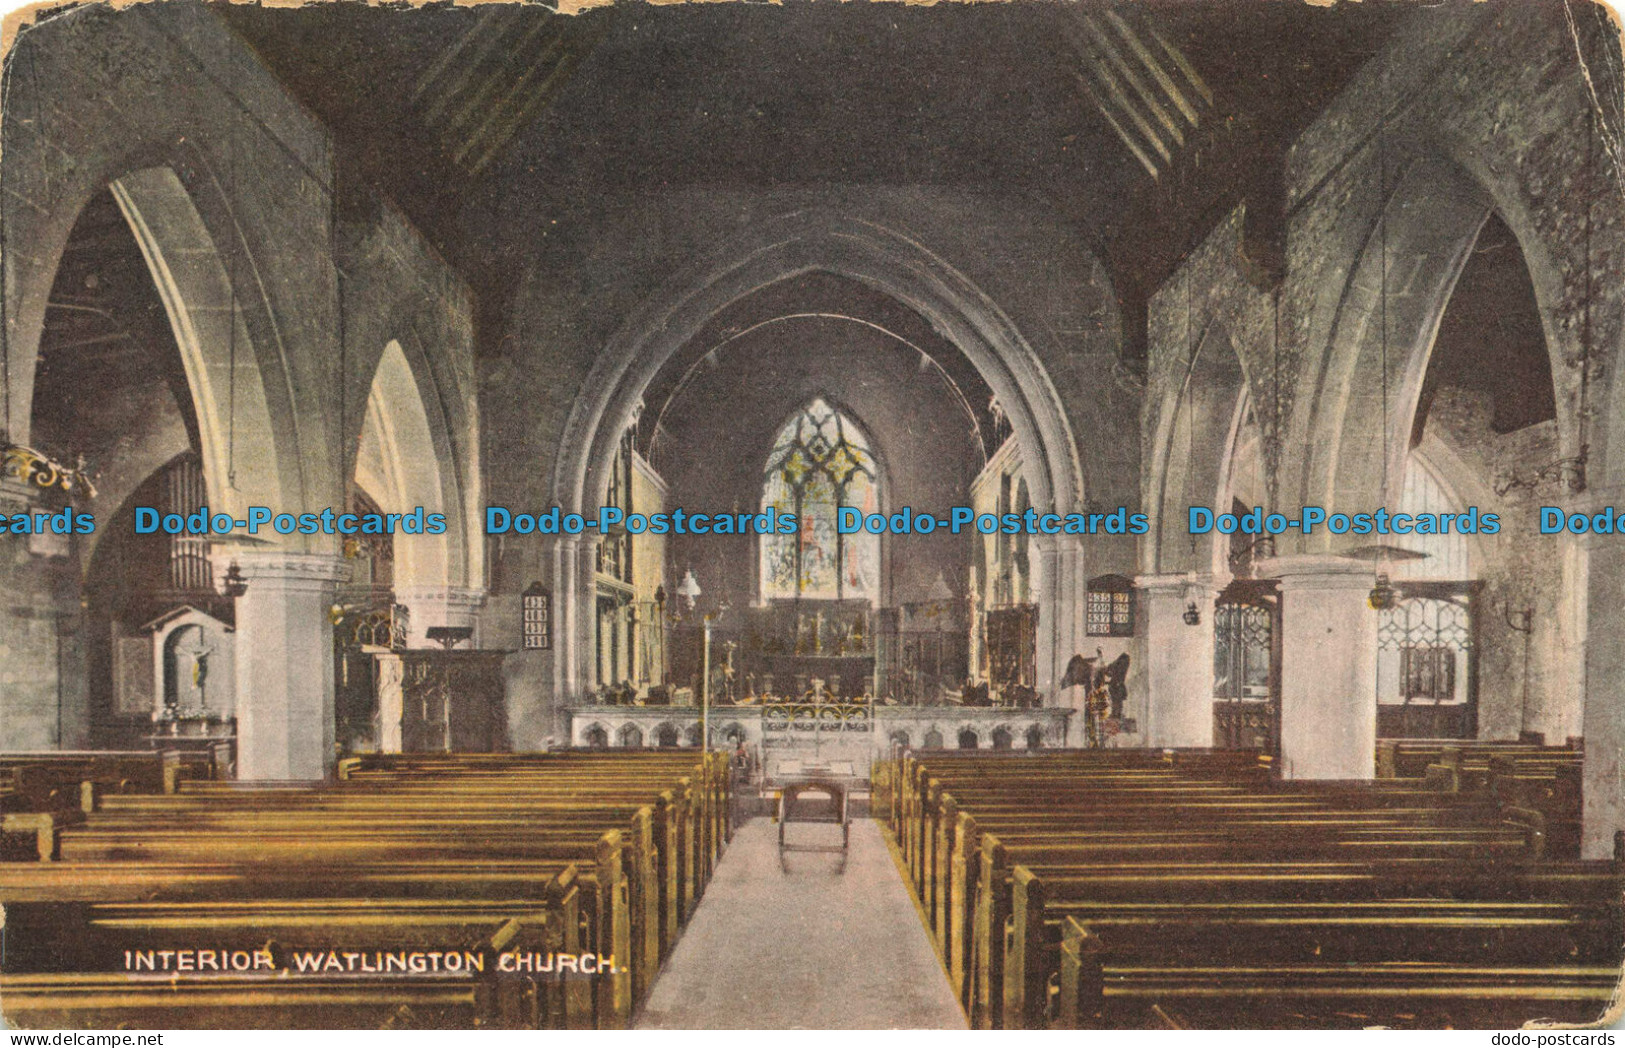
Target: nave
[468,276]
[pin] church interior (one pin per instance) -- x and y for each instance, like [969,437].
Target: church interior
[1093,262]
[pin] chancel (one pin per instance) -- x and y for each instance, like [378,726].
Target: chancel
[471,475]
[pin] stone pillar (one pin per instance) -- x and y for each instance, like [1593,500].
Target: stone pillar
[1328,667]
[573,610]
[1604,715]
[440,606]
[284,663]
[1178,661]
[1059,593]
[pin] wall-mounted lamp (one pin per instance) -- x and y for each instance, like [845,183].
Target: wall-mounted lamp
[1382,596]
[1193,615]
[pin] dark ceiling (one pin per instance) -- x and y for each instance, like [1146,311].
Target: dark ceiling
[1141,123]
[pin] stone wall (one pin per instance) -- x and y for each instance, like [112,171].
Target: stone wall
[1466,111]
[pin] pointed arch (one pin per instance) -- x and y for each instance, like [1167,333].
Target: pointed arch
[1360,402]
[1191,452]
[397,463]
[199,287]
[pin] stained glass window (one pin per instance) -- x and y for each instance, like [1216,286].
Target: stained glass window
[820,463]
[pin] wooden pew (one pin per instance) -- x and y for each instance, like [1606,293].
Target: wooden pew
[1418,914]
[115,1001]
[1007,851]
[1410,758]
[1362,816]
[40,774]
[1395,995]
[376,937]
[382,828]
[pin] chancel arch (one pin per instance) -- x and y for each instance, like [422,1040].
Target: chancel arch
[885,261]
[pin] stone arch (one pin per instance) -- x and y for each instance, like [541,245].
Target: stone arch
[595,737]
[215,294]
[629,737]
[968,739]
[186,172]
[238,426]
[823,241]
[1035,737]
[813,240]
[1191,452]
[1358,409]
[1003,737]
[933,739]
[665,735]
[400,463]
[1344,439]
[1231,483]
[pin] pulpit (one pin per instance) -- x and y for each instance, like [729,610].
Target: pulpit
[439,701]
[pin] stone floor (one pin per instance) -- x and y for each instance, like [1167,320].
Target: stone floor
[807,949]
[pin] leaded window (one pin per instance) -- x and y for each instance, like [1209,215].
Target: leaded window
[1422,648]
[821,463]
[1242,635]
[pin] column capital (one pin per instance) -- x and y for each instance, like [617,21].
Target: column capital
[282,567]
[1317,571]
[1180,583]
[1059,543]
[452,598]
[568,542]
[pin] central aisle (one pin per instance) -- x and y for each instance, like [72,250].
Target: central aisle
[806,949]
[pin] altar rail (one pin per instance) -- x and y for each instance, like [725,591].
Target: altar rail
[862,731]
